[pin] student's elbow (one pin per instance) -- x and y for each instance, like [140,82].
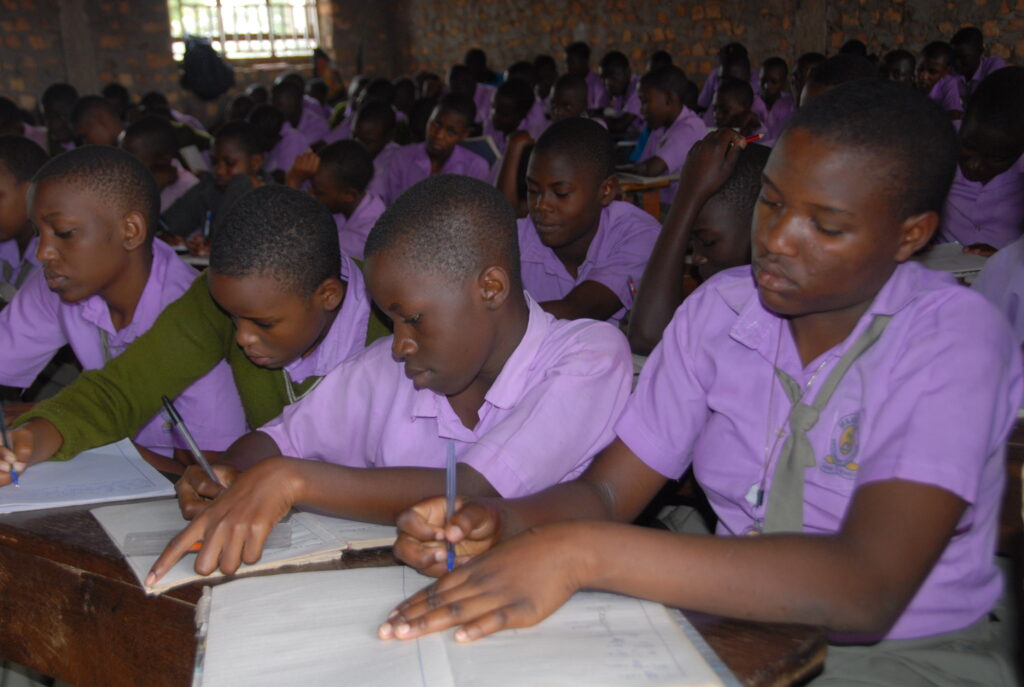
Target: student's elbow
[868,606]
[642,339]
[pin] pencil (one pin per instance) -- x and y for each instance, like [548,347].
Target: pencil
[7,444]
[449,495]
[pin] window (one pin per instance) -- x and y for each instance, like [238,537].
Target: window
[247,29]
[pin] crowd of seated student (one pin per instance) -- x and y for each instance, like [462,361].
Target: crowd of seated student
[302,183]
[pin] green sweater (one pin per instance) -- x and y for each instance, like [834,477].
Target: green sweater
[189,338]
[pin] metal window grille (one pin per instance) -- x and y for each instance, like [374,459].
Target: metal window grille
[247,29]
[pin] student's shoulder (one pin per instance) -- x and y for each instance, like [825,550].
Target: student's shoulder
[935,302]
[626,218]
[717,304]
[583,346]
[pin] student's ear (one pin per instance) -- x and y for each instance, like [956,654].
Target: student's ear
[494,283]
[330,293]
[134,230]
[608,190]
[915,233]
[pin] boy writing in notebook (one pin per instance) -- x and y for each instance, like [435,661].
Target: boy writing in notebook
[581,250]
[278,343]
[102,284]
[874,511]
[473,362]
[20,159]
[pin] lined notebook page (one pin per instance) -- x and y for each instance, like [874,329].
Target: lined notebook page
[319,628]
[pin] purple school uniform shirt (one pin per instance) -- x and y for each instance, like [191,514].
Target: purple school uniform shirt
[282,156]
[36,134]
[710,87]
[410,164]
[188,120]
[347,335]
[549,411]
[986,66]
[312,124]
[381,163]
[777,117]
[628,103]
[617,254]
[483,98]
[928,403]
[16,267]
[672,143]
[597,95]
[172,192]
[991,213]
[946,92]
[341,132]
[38,322]
[352,232]
[1001,281]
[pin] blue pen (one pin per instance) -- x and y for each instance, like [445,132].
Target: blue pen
[449,495]
[7,444]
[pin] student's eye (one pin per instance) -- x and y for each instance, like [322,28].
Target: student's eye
[262,324]
[562,194]
[66,234]
[764,200]
[826,231]
[413,321]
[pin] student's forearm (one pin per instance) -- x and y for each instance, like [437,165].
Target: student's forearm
[507,182]
[250,449]
[588,299]
[652,167]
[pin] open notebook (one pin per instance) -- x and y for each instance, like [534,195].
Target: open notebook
[627,178]
[142,530]
[320,629]
[115,472]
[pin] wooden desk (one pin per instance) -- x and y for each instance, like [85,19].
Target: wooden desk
[647,196]
[71,608]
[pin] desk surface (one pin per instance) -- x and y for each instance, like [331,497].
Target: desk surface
[72,608]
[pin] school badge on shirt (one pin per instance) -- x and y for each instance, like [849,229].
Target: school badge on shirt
[843,445]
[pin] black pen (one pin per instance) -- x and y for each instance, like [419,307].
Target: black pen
[179,424]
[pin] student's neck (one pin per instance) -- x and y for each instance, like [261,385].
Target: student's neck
[770,100]
[437,163]
[814,334]
[674,116]
[328,323]
[347,212]
[572,255]
[509,334]
[122,297]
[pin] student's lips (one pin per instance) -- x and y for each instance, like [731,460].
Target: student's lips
[417,376]
[53,280]
[771,278]
[261,360]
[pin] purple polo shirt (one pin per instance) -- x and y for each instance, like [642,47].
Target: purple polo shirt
[778,116]
[929,403]
[672,143]
[991,213]
[1001,281]
[187,119]
[710,87]
[628,103]
[500,138]
[549,411]
[282,156]
[184,182]
[12,262]
[312,124]
[597,96]
[758,107]
[352,231]
[379,183]
[536,121]
[946,92]
[38,322]
[619,251]
[483,98]
[37,134]
[410,164]
[341,132]
[347,335]
[985,68]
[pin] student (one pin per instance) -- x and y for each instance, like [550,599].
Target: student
[569,98]
[278,140]
[899,66]
[970,63]
[121,99]
[405,95]
[475,60]
[674,127]
[985,208]
[95,121]
[240,108]
[536,119]
[731,107]
[474,363]
[711,214]
[896,486]
[805,66]
[14,122]
[380,90]
[854,47]
[440,153]
[102,284]
[339,177]
[154,143]
[421,111]
[834,71]
[460,80]
[581,249]
[288,96]
[737,66]
[658,58]
[20,159]
[730,55]
[512,104]
[936,78]
[57,101]
[547,74]
[155,102]
[278,340]
[374,127]
[778,101]
[577,61]
[623,93]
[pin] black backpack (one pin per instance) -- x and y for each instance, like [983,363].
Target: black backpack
[205,72]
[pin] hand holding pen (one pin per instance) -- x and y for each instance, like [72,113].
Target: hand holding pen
[8,460]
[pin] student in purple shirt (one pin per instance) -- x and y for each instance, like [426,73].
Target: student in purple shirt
[834,71]
[577,61]
[778,101]
[730,53]
[102,284]
[440,153]
[851,442]
[805,65]
[288,96]
[738,67]
[581,250]
[20,159]
[970,63]
[474,363]
[623,94]
[512,103]
[732,105]
[936,78]
[279,140]
[985,208]
[154,143]
[899,66]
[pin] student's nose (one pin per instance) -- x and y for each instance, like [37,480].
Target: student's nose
[45,251]
[776,236]
[402,346]
[245,334]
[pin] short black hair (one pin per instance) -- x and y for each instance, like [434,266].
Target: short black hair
[938,50]
[89,105]
[894,57]
[969,35]
[670,79]
[348,163]
[584,142]
[737,89]
[291,76]
[854,47]
[775,63]
[155,102]
[519,92]
[317,88]
[910,135]
[419,115]
[452,226]
[544,61]
[578,49]
[475,55]
[288,86]
[10,114]
[115,91]
[615,60]
[377,112]
[156,134]
[380,89]
[741,189]
[997,104]
[810,58]
[266,121]
[278,232]
[459,103]
[522,70]
[572,83]
[842,68]
[660,58]
[58,93]
[110,174]
[242,133]
[22,157]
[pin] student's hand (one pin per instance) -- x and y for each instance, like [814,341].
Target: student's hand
[518,584]
[199,245]
[196,491]
[169,238]
[518,140]
[980,249]
[234,527]
[709,164]
[423,534]
[33,442]
[303,169]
